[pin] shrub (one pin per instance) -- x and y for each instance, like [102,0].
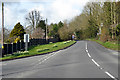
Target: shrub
[17,54]
[16,40]
[55,46]
[118,30]
[41,50]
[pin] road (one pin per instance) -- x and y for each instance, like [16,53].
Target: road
[85,59]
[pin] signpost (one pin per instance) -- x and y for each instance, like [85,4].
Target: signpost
[101,27]
[26,40]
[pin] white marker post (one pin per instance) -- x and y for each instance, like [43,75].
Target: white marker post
[26,40]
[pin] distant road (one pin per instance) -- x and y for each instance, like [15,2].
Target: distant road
[85,59]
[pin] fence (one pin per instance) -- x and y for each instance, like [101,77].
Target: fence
[0,52]
[20,46]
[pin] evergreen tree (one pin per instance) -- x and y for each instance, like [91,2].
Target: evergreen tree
[18,31]
[60,24]
[54,28]
[42,25]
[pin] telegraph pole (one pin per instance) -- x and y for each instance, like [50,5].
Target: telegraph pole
[2,26]
[46,29]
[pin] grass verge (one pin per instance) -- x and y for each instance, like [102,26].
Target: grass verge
[110,45]
[39,50]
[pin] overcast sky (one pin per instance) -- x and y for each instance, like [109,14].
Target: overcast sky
[53,10]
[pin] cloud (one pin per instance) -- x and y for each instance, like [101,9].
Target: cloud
[0,16]
[11,15]
[64,9]
[54,10]
[60,10]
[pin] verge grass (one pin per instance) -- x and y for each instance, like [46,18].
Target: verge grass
[114,45]
[40,49]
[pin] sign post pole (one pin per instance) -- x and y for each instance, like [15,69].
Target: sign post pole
[26,46]
[26,40]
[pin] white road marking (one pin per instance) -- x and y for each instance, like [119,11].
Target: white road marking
[86,50]
[101,68]
[46,58]
[86,45]
[42,58]
[99,65]
[89,55]
[95,62]
[110,75]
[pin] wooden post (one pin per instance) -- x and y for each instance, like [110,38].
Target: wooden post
[2,26]
[46,30]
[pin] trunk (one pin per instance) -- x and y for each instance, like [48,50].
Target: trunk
[111,14]
[114,14]
[112,20]
[112,33]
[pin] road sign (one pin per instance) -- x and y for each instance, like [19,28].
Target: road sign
[101,24]
[26,38]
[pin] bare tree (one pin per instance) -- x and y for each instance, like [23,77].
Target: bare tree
[33,18]
[6,34]
[38,33]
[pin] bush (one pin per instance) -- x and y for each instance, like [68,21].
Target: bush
[79,34]
[17,54]
[16,40]
[54,46]
[11,40]
[118,30]
[41,50]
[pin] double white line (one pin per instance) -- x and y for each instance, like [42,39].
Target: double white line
[46,58]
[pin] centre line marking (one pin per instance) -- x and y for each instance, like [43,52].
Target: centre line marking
[86,45]
[101,68]
[99,65]
[42,58]
[110,75]
[95,62]
[86,50]
[46,58]
[89,55]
